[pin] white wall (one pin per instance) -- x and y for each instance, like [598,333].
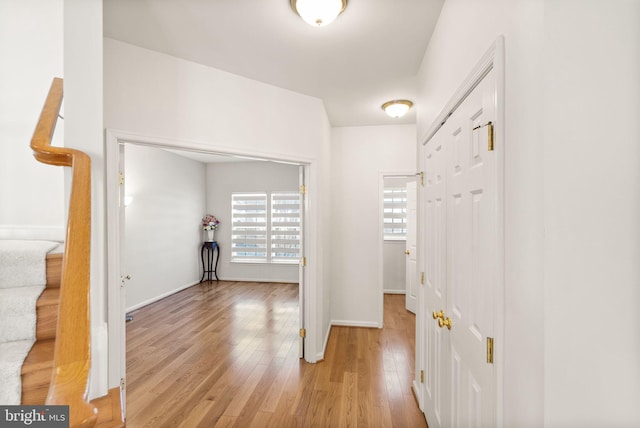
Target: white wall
[163,231]
[324,236]
[359,156]
[223,179]
[592,213]
[84,131]
[156,95]
[394,267]
[465,30]
[31,55]
[572,200]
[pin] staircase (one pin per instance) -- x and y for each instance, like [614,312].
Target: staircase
[56,370]
[38,366]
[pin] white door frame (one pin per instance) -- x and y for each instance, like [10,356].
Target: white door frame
[493,59]
[381,177]
[116,322]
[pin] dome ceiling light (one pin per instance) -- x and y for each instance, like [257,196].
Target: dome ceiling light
[397,108]
[318,13]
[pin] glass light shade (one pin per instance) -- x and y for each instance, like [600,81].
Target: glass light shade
[318,12]
[397,108]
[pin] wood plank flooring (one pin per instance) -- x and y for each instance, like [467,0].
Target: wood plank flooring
[226,355]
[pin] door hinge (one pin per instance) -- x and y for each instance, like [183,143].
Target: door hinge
[121,178]
[489,350]
[422,278]
[303,261]
[422,178]
[489,126]
[421,376]
[303,189]
[490,136]
[303,332]
[122,383]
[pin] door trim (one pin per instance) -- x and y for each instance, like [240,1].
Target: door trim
[113,139]
[493,59]
[381,177]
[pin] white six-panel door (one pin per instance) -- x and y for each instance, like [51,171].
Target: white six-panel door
[460,203]
[435,386]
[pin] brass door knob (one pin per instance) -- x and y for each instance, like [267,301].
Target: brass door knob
[445,323]
[439,315]
[407,252]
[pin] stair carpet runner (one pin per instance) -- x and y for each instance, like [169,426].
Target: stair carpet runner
[22,280]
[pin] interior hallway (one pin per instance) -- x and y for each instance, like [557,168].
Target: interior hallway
[226,354]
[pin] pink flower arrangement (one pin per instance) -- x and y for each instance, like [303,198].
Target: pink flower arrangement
[210,222]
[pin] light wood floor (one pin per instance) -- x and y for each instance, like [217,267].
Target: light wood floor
[226,354]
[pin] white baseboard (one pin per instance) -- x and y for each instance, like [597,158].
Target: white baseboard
[44,233]
[346,323]
[320,355]
[98,378]
[285,281]
[395,292]
[160,297]
[415,386]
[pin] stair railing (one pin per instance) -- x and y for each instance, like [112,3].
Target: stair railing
[72,354]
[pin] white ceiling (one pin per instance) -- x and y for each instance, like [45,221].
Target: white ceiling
[367,56]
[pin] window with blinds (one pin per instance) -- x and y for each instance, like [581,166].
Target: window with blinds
[285,226]
[249,226]
[395,213]
[265,227]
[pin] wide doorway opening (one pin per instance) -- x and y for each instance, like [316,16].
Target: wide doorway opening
[279,247]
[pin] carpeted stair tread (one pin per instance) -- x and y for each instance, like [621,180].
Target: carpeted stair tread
[17,313]
[13,353]
[23,263]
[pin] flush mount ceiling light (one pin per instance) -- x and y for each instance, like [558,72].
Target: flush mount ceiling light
[318,12]
[397,108]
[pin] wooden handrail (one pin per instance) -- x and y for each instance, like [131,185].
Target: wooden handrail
[72,354]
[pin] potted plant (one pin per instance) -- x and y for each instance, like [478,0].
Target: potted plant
[210,225]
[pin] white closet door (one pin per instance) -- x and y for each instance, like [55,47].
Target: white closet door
[471,256]
[436,341]
[460,202]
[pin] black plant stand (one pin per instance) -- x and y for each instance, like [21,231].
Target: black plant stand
[211,269]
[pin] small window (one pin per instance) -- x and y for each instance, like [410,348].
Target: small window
[285,226]
[395,213]
[249,226]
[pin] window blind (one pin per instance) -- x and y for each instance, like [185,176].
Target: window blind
[249,226]
[285,226]
[395,213]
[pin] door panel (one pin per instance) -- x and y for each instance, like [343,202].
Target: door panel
[460,202]
[471,189]
[435,390]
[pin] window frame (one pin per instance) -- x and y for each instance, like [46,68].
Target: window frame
[394,204]
[269,226]
[236,231]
